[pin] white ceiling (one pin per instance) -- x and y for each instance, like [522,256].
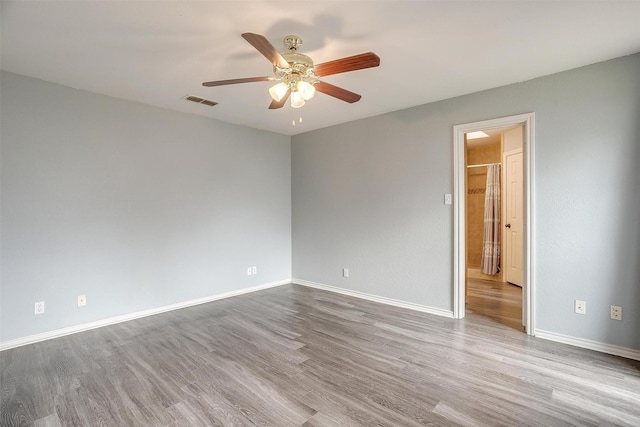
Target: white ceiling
[156,52]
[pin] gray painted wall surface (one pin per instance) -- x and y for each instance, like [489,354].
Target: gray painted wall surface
[139,207]
[368,195]
[134,206]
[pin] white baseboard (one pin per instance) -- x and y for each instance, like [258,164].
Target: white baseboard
[31,339]
[375,298]
[615,350]
[552,336]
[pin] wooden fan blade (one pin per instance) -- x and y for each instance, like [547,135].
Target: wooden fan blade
[279,104]
[337,92]
[235,81]
[265,48]
[350,63]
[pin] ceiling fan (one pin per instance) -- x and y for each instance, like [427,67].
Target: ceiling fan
[297,76]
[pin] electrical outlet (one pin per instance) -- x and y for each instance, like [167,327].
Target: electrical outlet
[345,272]
[254,270]
[82,300]
[616,312]
[39,308]
[581,307]
[249,271]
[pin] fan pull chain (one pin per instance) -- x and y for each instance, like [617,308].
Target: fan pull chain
[293,121]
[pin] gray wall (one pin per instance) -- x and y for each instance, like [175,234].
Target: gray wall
[134,206]
[139,207]
[368,195]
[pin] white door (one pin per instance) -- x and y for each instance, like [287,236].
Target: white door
[513,216]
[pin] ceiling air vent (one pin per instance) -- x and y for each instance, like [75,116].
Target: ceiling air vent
[199,100]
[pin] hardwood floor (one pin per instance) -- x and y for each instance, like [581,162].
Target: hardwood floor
[296,356]
[499,301]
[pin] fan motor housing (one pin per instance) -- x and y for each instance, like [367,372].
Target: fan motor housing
[298,62]
[298,59]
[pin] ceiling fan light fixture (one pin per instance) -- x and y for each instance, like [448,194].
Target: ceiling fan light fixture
[297,100]
[295,74]
[278,91]
[306,89]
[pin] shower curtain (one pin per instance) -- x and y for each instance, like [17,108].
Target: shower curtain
[490,263]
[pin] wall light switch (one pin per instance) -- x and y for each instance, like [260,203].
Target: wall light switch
[345,272]
[82,300]
[447,199]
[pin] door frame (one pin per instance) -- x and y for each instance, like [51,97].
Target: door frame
[527,120]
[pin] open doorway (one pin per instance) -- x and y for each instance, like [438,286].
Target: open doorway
[493,224]
[506,157]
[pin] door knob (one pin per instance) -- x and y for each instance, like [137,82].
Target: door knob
[508,226]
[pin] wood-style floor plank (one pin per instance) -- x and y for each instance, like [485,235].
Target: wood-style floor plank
[499,301]
[295,356]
